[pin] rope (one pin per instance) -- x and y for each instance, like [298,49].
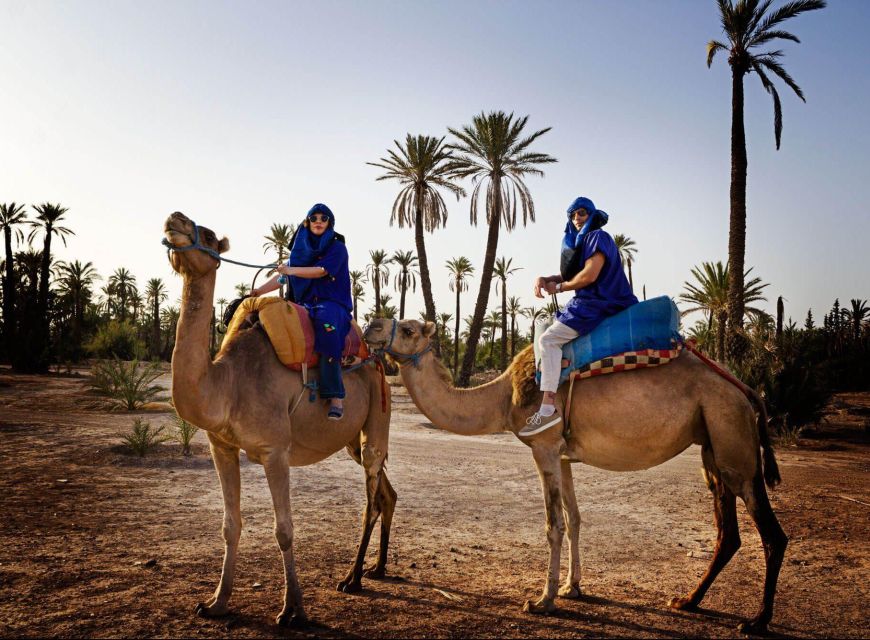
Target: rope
[690,345]
[214,254]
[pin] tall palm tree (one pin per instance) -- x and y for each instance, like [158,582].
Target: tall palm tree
[155,292]
[493,152]
[278,242]
[492,322]
[76,280]
[123,285]
[379,274]
[501,271]
[441,323]
[627,249]
[357,291]
[534,314]
[513,310]
[12,216]
[406,277]
[856,315]
[709,294]
[387,310]
[242,289]
[748,26]
[460,272]
[420,167]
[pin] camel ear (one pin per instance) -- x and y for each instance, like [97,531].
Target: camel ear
[223,245]
[429,329]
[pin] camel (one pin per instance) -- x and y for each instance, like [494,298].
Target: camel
[246,400]
[620,422]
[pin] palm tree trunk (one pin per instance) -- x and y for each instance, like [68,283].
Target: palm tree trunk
[354,308]
[41,346]
[630,279]
[423,262]
[155,329]
[377,293]
[403,287]
[456,336]
[483,293]
[513,336]
[9,324]
[737,225]
[503,324]
[721,323]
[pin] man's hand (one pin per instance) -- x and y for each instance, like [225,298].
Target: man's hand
[550,287]
[540,283]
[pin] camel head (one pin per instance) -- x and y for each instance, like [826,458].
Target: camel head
[399,338]
[180,232]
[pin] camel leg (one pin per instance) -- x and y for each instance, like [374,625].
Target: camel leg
[549,468]
[387,504]
[727,539]
[774,540]
[226,462]
[372,461]
[571,588]
[278,476]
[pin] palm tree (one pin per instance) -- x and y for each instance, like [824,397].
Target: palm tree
[12,215]
[491,323]
[626,248]
[155,292]
[123,285]
[222,302]
[534,314]
[242,289]
[501,271]
[76,280]
[513,309]
[168,323]
[441,323]
[357,291]
[856,315]
[420,168]
[747,28]
[709,294]
[379,274]
[407,276]
[460,271]
[386,309]
[494,153]
[278,241]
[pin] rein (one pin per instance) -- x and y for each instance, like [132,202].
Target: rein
[214,254]
[403,358]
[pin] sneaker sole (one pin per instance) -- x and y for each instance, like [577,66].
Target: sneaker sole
[525,431]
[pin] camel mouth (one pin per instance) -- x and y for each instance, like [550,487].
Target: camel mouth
[176,237]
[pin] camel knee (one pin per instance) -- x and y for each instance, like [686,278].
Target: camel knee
[372,460]
[284,535]
[231,530]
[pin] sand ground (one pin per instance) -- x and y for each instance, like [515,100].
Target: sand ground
[95,542]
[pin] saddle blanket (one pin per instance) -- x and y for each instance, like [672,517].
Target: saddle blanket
[627,361]
[291,333]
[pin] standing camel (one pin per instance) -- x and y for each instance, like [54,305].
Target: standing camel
[245,399]
[622,422]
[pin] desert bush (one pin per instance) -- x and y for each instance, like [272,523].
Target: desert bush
[184,432]
[128,385]
[116,340]
[143,437]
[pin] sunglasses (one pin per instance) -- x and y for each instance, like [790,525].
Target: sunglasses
[319,217]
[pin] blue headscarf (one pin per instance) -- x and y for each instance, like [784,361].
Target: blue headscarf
[597,219]
[308,247]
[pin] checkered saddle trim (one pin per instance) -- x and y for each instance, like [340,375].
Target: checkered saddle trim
[626,362]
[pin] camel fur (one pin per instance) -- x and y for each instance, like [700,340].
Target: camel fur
[623,422]
[243,400]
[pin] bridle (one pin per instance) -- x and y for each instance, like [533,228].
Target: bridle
[195,244]
[402,358]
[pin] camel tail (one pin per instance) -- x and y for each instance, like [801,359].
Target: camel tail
[771,468]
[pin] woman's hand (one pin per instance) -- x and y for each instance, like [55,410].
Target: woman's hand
[283,269]
[255,293]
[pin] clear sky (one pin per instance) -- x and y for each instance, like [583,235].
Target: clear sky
[241,114]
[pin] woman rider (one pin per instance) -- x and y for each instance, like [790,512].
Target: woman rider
[319,277]
[592,269]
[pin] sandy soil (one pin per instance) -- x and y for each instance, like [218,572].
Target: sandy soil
[99,543]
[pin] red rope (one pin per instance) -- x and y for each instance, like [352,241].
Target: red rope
[690,345]
[380,367]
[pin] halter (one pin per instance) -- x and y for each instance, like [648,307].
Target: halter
[403,358]
[214,254]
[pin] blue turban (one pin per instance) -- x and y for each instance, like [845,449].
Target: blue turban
[322,208]
[573,238]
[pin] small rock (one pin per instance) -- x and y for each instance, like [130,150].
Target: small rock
[150,562]
[257,585]
[434,564]
[62,480]
[413,565]
[138,563]
[454,550]
[700,555]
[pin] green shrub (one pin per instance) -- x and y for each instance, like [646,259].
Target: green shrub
[184,432]
[116,340]
[128,385]
[143,437]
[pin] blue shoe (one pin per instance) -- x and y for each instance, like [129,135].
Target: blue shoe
[335,413]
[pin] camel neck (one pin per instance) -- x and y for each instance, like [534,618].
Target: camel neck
[468,412]
[191,361]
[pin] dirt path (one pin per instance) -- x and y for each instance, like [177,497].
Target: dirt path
[82,521]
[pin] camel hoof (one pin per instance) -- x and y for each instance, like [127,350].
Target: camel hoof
[375,573]
[570,591]
[209,611]
[540,607]
[753,627]
[682,604]
[349,585]
[295,619]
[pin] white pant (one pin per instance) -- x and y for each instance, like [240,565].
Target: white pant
[550,343]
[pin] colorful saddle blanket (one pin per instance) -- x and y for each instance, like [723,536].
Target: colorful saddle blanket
[291,333]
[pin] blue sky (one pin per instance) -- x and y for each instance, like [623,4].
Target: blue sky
[245,114]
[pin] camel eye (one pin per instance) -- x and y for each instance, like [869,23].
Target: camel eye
[408,332]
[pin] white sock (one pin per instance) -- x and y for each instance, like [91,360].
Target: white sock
[547,410]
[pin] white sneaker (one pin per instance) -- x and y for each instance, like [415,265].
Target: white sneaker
[537,423]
